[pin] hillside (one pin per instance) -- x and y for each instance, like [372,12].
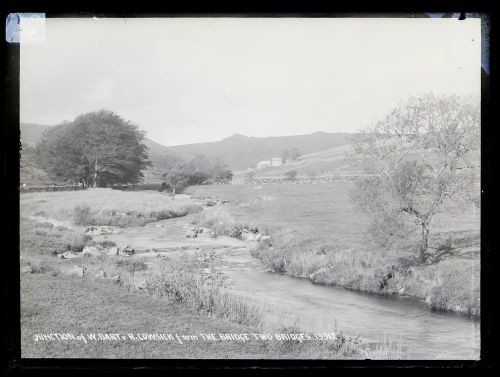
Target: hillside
[241,152]
[339,160]
[32,133]
[30,173]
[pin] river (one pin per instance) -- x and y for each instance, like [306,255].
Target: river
[419,332]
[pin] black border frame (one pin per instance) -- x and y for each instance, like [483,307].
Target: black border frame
[10,174]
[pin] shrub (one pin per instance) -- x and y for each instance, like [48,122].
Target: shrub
[291,174]
[195,282]
[107,243]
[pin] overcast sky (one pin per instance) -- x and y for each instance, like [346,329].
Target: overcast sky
[187,80]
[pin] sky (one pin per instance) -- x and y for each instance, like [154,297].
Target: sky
[189,80]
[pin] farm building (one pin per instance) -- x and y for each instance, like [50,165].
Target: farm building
[275,161]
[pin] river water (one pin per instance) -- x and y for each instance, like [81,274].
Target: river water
[420,332]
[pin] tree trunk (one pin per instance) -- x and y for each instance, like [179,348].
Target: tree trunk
[95,174]
[424,246]
[173,192]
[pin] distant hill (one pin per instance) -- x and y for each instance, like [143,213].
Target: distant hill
[241,152]
[32,133]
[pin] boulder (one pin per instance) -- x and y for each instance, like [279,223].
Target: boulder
[249,236]
[69,255]
[76,271]
[91,250]
[210,203]
[95,231]
[100,274]
[191,234]
[126,251]
[115,250]
[114,279]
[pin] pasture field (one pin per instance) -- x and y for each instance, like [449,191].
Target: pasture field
[317,233]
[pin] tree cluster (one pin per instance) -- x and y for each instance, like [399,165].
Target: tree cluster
[200,170]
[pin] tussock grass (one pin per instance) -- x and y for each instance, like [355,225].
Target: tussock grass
[195,281]
[223,223]
[105,207]
[44,238]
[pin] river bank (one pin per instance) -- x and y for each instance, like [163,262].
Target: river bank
[316,234]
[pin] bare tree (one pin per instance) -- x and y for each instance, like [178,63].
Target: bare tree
[423,153]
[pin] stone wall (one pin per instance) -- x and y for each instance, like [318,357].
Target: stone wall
[28,189]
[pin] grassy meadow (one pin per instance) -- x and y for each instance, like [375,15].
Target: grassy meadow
[316,233]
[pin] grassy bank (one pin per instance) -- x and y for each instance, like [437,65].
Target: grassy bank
[316,233]
[105,207]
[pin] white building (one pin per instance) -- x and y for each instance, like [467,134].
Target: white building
[276,161]
[264,164]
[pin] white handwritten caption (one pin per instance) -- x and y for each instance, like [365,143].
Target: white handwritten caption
[180,338]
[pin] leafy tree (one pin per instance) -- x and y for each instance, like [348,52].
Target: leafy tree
[97,148]
[60,154]
[204,170]
[113,147]
[422,154]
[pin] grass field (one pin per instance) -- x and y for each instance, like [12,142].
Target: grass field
[102,206]
[316,233]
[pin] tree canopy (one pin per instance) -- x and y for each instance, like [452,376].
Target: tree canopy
[423,153]
[98,148]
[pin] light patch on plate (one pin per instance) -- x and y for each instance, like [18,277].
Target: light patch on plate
[25,28]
